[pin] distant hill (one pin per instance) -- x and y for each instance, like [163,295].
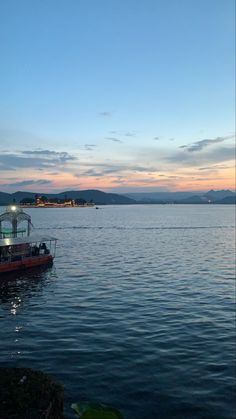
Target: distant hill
[103,198]
[222,196]
[194,199]
[158,197]
[5,198]
[227,200]
[98,197]
[218,195]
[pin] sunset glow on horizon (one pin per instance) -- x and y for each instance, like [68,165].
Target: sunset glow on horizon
[118,96]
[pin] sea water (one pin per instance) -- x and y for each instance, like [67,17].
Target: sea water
[137,311]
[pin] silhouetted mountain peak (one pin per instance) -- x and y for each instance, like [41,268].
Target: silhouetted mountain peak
[217,195]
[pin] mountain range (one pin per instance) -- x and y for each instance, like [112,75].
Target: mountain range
[104,198]
[96,196]
[224,196]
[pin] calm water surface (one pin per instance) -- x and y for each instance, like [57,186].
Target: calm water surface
[137,311]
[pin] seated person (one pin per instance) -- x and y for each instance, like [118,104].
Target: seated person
[44,247]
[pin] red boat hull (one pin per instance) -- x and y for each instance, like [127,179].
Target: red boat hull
[26,263]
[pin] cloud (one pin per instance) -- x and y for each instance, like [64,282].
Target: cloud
[200,145]
[120,180]
[217,167]
[53,173]
[28,183]
[134,164]
[114,169]
[50,155]
[90,172]
[130,134]
[4,167]
[216,155]
[116,140]
[105,113]
[124,133]
[89,147]
[36,159]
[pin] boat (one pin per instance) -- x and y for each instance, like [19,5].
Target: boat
[19,249]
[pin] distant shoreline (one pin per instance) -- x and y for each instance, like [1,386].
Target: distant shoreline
[89,197]
[57,206]
[107,205]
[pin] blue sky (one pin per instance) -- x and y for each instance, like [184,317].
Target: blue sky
[117,95]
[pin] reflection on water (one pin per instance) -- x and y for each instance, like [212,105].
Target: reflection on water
[16,288]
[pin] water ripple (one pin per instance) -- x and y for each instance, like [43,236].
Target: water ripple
[137,312]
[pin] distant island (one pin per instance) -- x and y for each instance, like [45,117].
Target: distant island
[88,197]
[42,201]
[92,197]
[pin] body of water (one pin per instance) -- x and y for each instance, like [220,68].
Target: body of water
[137,311]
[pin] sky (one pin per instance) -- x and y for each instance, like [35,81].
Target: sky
[117,95]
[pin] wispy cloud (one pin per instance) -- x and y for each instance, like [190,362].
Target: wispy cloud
[89,147]
[131,163]
[35,159]
[114,139]
[124,133]
[63,156]
[216,155]
[217,167]
[114,169]
[130,134]
[4,167]
[30,182]
[53,173]
[105,113]
[200,145]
